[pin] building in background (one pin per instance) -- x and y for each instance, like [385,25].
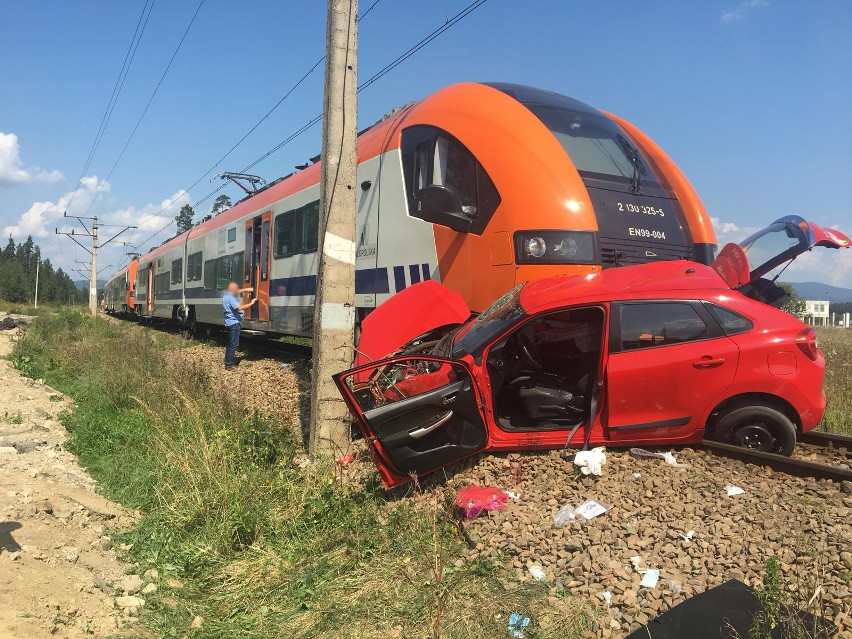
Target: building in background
[816,312]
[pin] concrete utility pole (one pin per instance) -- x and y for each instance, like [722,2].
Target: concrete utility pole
[35,298]
[93,265]
[93,271]
[334,310]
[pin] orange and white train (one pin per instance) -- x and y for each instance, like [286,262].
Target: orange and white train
[479,186]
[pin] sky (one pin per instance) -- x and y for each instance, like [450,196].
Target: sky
[750,98]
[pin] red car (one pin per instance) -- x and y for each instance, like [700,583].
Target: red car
[665,353]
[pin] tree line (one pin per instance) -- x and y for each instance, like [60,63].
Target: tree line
[18,274]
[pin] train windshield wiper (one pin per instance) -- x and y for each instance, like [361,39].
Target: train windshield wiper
[632,154]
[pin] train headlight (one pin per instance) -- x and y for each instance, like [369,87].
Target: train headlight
[535,247]
[556,247]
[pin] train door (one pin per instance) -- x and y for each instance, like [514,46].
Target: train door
[257,270]
[149,295]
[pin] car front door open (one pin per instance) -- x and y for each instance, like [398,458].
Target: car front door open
[418,414]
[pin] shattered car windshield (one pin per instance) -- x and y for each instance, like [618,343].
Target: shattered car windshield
[476,334]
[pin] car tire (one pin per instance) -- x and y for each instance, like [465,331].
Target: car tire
[757,427]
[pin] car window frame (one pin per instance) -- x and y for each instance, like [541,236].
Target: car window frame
[714,331]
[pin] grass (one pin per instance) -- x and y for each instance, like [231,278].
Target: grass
[836,344]
[263,548]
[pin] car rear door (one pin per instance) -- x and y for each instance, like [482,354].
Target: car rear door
[417,414]
[668,361]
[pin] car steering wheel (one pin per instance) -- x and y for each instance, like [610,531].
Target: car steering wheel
[527,352]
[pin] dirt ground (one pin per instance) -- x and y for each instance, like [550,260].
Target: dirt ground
[59,574]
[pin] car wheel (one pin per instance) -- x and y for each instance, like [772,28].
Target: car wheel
[758,428]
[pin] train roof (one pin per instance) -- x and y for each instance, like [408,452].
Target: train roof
[371,142]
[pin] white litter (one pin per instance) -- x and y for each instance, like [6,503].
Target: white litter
[637,475]
[734,490]
[669,458]
[650,578]
[591,462]
[607,597]
[688,536]
[537,573]
[637,562]
[513,495]
[589,509]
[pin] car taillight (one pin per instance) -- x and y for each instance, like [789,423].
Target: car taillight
[807,343]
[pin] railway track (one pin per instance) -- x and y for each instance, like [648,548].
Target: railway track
[797,466]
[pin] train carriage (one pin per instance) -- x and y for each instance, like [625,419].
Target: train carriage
[479,186]
[119,291]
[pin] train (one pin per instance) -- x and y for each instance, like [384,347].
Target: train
[480,186]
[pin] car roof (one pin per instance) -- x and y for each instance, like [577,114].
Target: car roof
[621,282]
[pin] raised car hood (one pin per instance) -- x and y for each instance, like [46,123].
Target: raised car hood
[782,241]
[414,311]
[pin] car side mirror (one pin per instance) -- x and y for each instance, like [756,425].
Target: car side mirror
[441,206]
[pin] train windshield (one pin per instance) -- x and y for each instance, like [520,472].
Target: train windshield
[596,145]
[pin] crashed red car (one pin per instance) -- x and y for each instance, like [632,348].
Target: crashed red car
[665,353]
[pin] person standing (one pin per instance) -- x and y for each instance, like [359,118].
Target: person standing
[234,313]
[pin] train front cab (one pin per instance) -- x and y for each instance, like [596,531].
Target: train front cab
[522,184]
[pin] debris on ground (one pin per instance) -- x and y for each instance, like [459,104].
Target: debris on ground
[516,626]
[734,490]
[589,509]
[474,499]
[591,462]
[669,458]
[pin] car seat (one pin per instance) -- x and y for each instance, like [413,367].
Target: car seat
[544,397]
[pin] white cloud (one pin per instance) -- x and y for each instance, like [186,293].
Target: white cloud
[40,219]
[739,12]
[12,170]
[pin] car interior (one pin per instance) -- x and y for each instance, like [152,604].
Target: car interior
[543,373]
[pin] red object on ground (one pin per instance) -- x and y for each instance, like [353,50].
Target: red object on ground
[474,499]
[348,458]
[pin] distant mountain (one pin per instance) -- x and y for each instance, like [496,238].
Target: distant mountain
[820,291]
[83,285]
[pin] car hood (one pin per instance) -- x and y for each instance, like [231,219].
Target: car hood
[413,311]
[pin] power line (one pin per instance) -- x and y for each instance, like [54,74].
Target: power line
[255,126]
[313,121]
[147,106]
[116,91]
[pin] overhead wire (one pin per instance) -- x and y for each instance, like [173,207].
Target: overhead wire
[147,106]
[129,56]
[448,24]
[255,126]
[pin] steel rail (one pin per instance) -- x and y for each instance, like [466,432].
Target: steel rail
[827,440]
[782,463]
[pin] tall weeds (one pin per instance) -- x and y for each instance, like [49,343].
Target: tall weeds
[266,548]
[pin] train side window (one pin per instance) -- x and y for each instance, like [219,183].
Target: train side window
[223,272]
[232,234]
[466,198]
[193,267]
[209,275]
[264,252]
[236,266]
[310,225]
[288,228]
[177,271]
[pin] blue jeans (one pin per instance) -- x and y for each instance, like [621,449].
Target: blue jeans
[233,344]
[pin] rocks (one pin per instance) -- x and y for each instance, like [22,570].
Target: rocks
[175,584]
[130,603]
[71,554]
[197,622]
[149,588]
[151,574]
[132,584]
[779,515]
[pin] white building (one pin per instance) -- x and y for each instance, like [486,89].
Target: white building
[816,312]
